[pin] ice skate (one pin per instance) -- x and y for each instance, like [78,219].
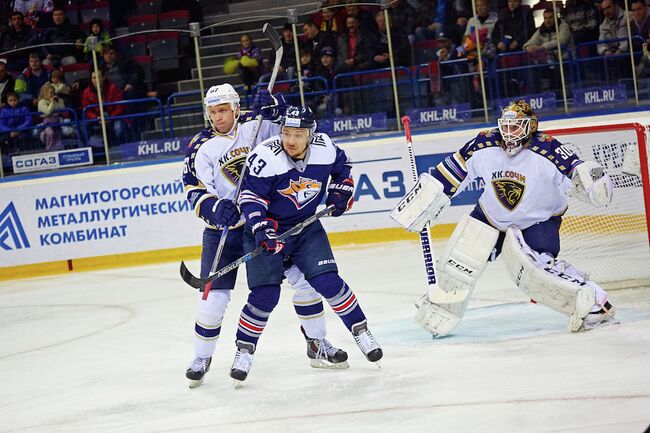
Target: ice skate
[602,317]
[242,363]
[322,354]
[367,343]
[197,370]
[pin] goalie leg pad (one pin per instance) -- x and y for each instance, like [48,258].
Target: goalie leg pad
[422,204]
[557,285]
[464,259]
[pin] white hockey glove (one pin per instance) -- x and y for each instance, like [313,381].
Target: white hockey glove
[424,203]
[592,184]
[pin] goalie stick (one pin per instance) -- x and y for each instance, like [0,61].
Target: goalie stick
[197,283]
[272,36]
[425,236]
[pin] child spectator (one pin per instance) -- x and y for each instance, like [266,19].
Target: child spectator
[103,39]
[61,89]
[48,103]
[326,70]
[250,62]
[12,118]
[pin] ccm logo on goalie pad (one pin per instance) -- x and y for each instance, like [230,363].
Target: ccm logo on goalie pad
[460,267]
[407,199]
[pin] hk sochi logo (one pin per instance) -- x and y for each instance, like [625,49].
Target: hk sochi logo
[12,234]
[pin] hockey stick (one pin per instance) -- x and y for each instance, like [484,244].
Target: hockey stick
[197,283]
[273,36]
[425,236]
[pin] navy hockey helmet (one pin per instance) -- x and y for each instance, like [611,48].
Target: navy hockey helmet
[299,117]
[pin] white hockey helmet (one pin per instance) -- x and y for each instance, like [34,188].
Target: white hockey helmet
[221,94]
[517,124]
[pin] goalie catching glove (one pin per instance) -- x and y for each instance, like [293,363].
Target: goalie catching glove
[266,235]
[592,184]
[423,204]
[341,195]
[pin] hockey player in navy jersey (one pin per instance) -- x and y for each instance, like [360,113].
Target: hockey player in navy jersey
[213,163]
[288,176]
[527,176]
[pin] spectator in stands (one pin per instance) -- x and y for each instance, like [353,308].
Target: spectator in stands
[315,39]
[327,70]
[61,89]
[101,39]
[29,82]
[34,11]
[287,68]
[458,14]
[110,93]
[6,84]
[60,36]
[583,20]
[542,48]
[613,27]
[5,18]
[543,43]
[122,71]
[250,62]
[403,16]
[355,48]
[307,64]
[365,17]
[18,36]
[13,118]
[640,22]
[643,67]
[430,20]
[455,89]
[331,18]
[399,40]
[329,22]
[48,104]
[514,27]
[487,19]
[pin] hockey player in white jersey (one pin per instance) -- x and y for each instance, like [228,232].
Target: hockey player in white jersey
[213,163]
[527,176]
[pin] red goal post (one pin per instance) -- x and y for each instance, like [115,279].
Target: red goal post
[612,244]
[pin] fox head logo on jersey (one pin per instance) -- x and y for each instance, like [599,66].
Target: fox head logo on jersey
[509,192]
[231,170]
[302,191]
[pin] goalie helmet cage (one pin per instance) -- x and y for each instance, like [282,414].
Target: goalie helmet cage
[612,244]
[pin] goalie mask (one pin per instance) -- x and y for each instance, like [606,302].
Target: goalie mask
[221,94]
[517,124]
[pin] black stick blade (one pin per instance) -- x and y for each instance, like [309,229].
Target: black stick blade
[189,278]
[272,36]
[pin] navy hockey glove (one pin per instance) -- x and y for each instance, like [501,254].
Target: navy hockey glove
[271,107]
[219,212]
[266,235]
[341,195]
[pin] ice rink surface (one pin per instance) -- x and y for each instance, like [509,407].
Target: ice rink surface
[106,351]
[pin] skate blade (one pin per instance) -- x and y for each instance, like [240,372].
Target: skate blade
[321,363]
[195,383]
[378,364]
[238,383]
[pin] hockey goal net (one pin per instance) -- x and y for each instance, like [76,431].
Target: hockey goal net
[612,244]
